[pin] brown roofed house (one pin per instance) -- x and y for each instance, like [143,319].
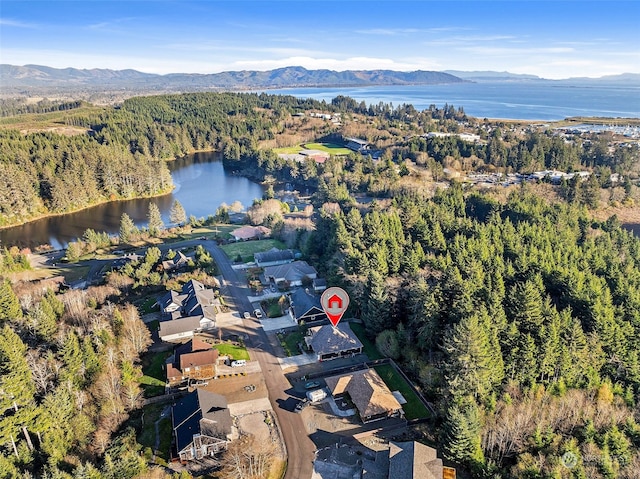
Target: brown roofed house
[193,360]
[413,460]
[247,232]
[369,393]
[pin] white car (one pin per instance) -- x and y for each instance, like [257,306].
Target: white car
[258,313]
[246,315]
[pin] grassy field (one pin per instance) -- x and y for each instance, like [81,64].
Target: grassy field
[246,249]
[414,409]
[290,342]
[369,347]
[154,378]
[330,148]
[232,350]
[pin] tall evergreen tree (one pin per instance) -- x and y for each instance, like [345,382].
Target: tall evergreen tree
[177,214]
[10,309]
[376,309]
[462,441]
[127,228]
[154,218]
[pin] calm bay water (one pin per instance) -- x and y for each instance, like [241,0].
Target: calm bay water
[201,183]
[544,100]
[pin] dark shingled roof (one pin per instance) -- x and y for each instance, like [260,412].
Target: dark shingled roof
[180,325]
[304,302]
[290,272]
[327,339]
[274,254]
[198,413]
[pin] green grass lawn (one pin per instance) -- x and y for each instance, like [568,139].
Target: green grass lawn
[330,148]
[72,273]
[246,249]
[288,150]
[369,346]
[154,376]
[147,306]
[147,436]
[414,408]
[232,350]
[290,342]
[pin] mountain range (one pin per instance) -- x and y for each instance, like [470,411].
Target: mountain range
[42,76]
[37,79]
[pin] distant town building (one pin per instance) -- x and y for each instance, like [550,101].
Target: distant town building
[356,144]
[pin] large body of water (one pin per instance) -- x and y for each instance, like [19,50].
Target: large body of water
[530,100]
[202,185]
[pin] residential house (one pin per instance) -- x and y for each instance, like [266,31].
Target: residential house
[193,360]
[291,274]
[195,304]
[247,232]
[402,460]
[413,460]
[177,262]
[319,284]
[305,306]
[179,329]
[202,425]
[329,342]
[274,257]
[368,392]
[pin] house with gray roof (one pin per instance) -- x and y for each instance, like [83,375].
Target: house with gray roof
[274,257]
[305,306]
[194,300]
[413,460]
[329,342]
[202,425]
[179,329]
[291,274]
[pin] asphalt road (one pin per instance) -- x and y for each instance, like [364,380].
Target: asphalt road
[300,448]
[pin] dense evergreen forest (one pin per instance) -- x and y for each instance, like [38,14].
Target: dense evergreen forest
[520,321]
[121,151]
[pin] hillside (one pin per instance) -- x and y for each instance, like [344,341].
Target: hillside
[30,76]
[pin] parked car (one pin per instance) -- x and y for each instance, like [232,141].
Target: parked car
[312,385]
[238,362]
[247,315]
[302,404]
[257,313]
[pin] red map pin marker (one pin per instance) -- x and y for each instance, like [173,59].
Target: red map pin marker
[335,302]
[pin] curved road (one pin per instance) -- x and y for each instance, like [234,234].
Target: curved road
[300,448]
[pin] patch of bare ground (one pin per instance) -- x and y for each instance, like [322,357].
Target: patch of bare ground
[626,214]
[233,387]
[60,130]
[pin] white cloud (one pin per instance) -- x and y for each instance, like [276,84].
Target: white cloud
[7,22]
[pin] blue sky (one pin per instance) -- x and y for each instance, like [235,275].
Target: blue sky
[547,38]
